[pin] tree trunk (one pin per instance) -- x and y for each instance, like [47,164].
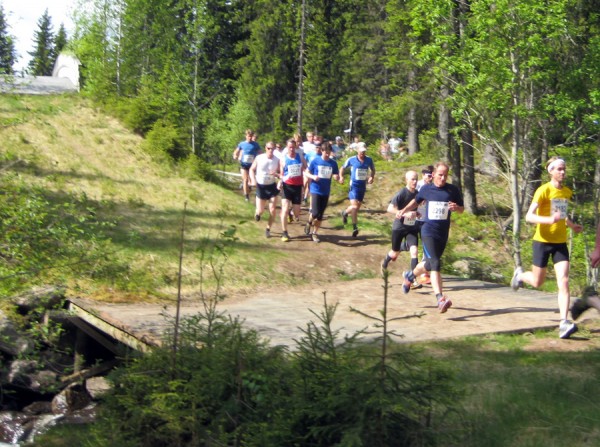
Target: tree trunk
[413,126]
[301,69]
[444,118]
[469,192]
[489,161]
[514,189]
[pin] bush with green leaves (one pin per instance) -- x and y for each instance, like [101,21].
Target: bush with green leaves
[224,385]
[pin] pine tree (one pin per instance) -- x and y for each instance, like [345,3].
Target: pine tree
[43,56]
[60,41]
[7,47]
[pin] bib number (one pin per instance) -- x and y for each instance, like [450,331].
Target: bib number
[560,205]
[266,179]
[437,210]
[247,158]
[324,172]
[361,174]
[409,221]
[295,170]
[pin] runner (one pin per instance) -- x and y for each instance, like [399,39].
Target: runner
[321,170]
[427,177]
[263,174]
[360,166]
[405,229]
[442,200]
[292,166]
[590,296]
[548,211]
[246,152]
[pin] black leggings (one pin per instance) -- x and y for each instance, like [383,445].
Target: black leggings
[433,249]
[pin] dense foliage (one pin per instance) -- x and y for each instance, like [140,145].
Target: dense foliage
[8,54]
[394,64]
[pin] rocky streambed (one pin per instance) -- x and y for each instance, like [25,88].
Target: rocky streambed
[50,371]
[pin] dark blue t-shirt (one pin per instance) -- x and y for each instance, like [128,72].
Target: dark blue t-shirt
[437,214]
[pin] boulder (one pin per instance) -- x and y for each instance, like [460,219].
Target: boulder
[46,297]
[73,397]
[11,340]
[26,374]
[97,387]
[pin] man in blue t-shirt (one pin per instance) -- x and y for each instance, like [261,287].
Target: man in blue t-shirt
[442,199]
[320,171]
[362,172]
[246,152]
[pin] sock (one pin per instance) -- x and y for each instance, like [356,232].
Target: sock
[410,276]
[439,296]
[413,263]
[386,261]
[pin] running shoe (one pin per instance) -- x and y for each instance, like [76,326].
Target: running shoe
[424,279]
[268,233]
[407,282]
[307,228]
[355,232]
[415,285]
[315,238]
[514,282]
[579,306]
[285,237]
[444,304]
[257,217]
[566,329]
[344,217]
[247,197]
[290,217]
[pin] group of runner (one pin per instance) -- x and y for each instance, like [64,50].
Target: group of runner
[422,210]
[302,169]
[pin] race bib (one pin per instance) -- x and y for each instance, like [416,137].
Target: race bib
[437,210]
[294,170]
[408,221]
[247,158]
[266,179]
[324,172]
[560,205]
[361,174]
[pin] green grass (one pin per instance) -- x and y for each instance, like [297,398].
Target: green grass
[518,397]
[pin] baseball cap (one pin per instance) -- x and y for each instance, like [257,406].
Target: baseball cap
[361,147]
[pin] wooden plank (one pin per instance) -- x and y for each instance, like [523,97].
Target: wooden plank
[139,342]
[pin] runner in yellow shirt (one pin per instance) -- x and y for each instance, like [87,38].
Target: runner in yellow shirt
[548,210]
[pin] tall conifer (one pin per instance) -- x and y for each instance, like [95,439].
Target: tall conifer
[7,46]
[43,55]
